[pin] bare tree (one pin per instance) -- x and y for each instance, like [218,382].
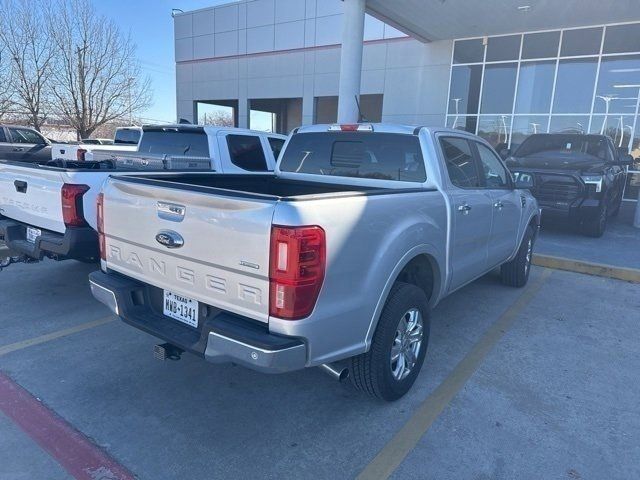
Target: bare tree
[5,84]
[24,36]
[98,79]
[220,118]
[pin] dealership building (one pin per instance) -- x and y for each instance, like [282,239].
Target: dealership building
[498,68]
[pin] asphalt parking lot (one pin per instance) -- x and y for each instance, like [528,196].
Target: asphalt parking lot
[533,383]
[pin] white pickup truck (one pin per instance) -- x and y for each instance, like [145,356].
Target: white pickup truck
[339,255]
[126,139]
[49,209]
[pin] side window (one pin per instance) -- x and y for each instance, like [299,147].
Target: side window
[494,172]
[246,152]
[3,138]
[461,165]
[276,146]
[22,135]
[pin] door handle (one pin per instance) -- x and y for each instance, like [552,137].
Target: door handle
[18,149]
[464,209]
[498,205]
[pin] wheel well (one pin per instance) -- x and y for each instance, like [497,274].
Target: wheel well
[419,272]
[533,223]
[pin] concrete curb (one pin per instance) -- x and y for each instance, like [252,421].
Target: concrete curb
[578,266]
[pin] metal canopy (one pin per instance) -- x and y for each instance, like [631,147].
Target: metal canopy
[430,20]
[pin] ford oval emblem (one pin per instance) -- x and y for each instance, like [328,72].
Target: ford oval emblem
[170,239]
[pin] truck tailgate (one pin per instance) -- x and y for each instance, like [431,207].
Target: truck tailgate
[224,257]
[32,195]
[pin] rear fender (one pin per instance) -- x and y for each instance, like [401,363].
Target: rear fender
[435,257]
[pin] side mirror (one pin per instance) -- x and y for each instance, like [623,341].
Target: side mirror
[625,160]
[504,153]
[523,180]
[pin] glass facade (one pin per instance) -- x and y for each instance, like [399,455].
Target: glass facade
[584,80]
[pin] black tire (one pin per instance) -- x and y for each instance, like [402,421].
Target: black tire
[372,372]
[616,209]
[516,272]
[595,227]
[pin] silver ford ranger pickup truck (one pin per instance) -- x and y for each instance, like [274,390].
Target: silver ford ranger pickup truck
[337,257]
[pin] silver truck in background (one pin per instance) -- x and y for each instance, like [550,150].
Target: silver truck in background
[125,140]
[48,209]
[340,255]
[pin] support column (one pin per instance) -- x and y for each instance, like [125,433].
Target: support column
[351,60]
[243,112]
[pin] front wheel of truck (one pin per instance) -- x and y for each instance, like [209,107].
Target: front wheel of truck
[596,226]
[391,366]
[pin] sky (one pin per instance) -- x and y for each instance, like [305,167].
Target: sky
[151,27]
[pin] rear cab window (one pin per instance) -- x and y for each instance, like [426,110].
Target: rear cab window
[380,156]
[3,137]
[192,142]
[246,152]
[127,136]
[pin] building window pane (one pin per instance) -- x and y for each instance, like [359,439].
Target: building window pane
[465,89]
[495,129]
[618,85]
[540,45]
[498,88]
[535,85]
[468,51]
[503,48]
[461,122]
[622,38]
[583,41]
[633,180]
[575,85]
[618,127]
[569,123]
[525,126]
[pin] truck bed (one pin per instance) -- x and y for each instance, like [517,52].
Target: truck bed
[248,185]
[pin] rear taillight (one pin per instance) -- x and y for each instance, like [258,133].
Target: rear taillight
[296,270]
[80,154]
[100,225]
[72,213]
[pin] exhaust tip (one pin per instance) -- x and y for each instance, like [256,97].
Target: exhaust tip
[338,373]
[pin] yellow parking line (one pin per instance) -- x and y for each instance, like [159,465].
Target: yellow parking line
[394,452]
[54,335]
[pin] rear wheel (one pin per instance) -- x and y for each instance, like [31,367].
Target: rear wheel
[516,272]
[595,227]
[390,367]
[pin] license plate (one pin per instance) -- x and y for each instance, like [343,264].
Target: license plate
[32,234]
[181,308]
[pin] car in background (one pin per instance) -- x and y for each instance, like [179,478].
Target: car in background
[23,144]
[125,140]
[48,209]
[576,177]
